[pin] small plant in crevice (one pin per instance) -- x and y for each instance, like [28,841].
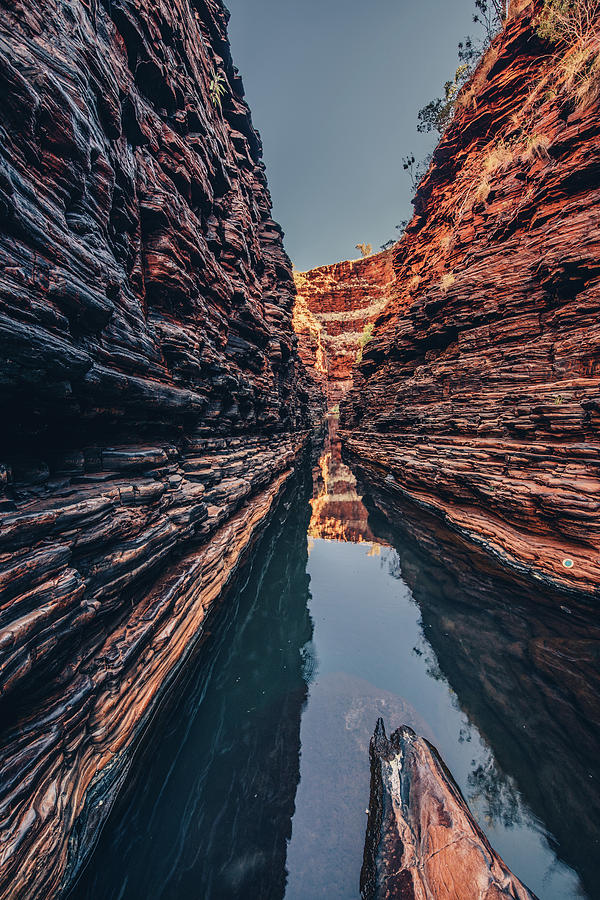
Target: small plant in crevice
[217,90]
[365,250]
[536,147]
[367,334]
[446,281]
[482,191]
[499,157]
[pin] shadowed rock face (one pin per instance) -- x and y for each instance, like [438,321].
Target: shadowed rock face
[149,390]
[479,389]
[214,787]
[334,306]
[524,664]
[422,840]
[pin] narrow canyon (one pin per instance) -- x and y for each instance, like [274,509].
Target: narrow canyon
[246,511]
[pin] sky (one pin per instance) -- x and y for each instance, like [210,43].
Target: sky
[334,87]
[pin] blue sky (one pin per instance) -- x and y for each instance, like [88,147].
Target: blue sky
[335,87]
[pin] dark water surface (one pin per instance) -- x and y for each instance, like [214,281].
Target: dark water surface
[254,783]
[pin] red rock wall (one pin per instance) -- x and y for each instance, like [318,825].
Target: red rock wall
[480,390]
[340,300]
[149,390]
[338,513]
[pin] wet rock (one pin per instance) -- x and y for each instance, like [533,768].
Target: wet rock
[422,840]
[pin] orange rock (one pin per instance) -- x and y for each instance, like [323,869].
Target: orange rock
[334,306]
[422,840]
[479,393]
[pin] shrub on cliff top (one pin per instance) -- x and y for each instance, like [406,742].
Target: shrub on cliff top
[569,21]
[574,25]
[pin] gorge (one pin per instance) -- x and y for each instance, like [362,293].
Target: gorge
[246,511]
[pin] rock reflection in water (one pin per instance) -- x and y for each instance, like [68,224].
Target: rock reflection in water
[338,513]
[209,810]
[525,669]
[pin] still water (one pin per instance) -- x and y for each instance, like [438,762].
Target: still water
[255,781]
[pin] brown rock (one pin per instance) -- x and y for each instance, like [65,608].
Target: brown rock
[422,840]
[150,391]
[479,390]
[334,306]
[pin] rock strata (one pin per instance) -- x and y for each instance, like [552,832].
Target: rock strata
[338,513]
[334,311]
[523,664]
[479,391]
[422,840]
[152,400]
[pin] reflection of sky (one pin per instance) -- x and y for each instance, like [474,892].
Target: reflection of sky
[373,659]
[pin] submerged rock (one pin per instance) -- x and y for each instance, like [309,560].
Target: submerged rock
[422,840]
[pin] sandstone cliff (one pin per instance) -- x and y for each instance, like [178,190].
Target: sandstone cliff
[150,398]
[334,312]
[479,394]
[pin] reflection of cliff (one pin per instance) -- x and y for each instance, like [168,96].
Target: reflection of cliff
[338,513]
[524,669]
[208,812]
[334,306]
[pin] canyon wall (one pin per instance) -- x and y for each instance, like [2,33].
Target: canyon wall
[523,663]
[151,395]
[335,309]
[478,396]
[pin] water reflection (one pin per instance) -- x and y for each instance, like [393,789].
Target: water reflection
[338,513]
[209,810]
[255,783]
[524,666]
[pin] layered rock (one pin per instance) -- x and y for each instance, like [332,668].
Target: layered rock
[335,309]
[479,392]
[523,664]
[338,513]
[253,690]
[422,840]
[150,397]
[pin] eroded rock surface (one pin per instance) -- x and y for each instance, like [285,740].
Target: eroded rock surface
[479,392]
[524,666]
[422,840]
[333,315]
[150,391]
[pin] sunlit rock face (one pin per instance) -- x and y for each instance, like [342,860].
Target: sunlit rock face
[524,666]
[338,513]
[479,392]
[151,407]
[422,840]
[313,353]
[335,307]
